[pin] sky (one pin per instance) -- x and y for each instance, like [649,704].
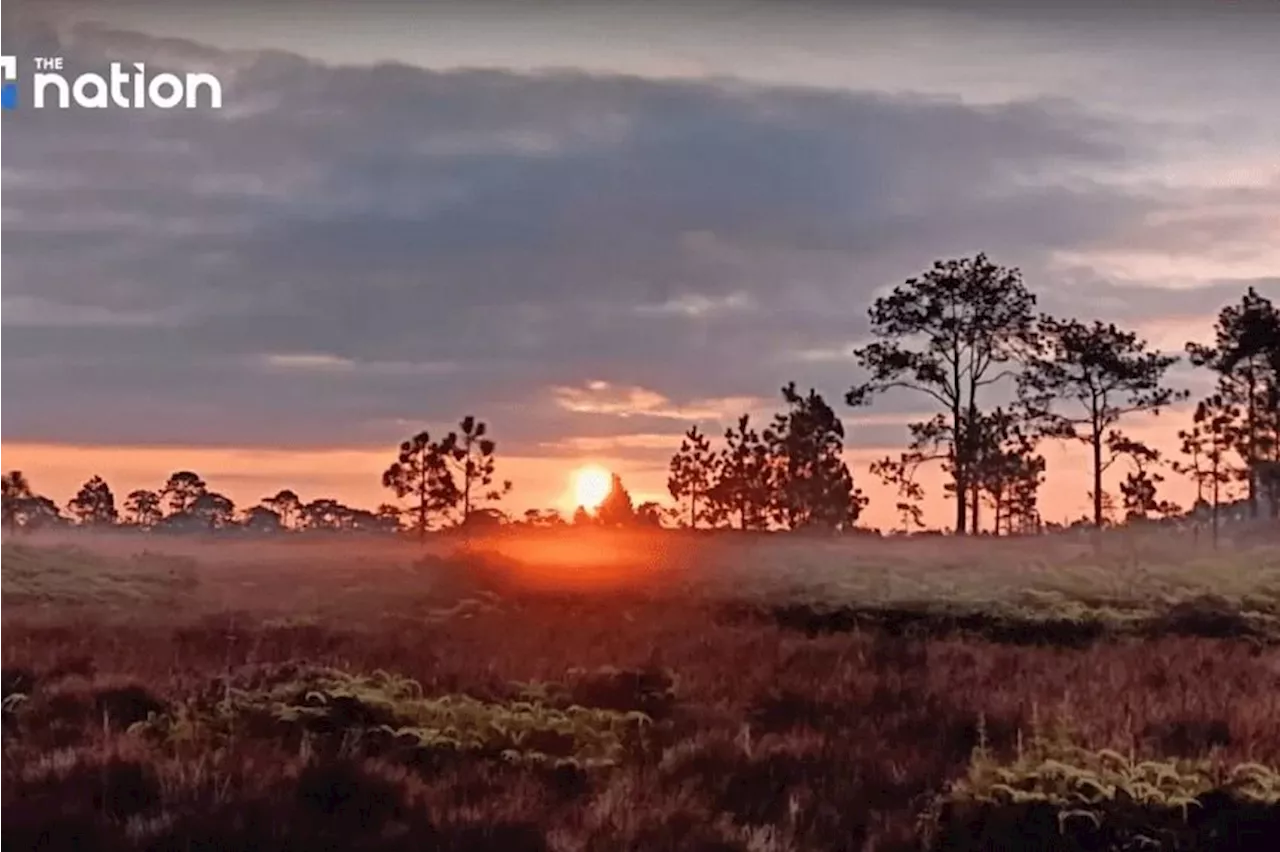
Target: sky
[592,225]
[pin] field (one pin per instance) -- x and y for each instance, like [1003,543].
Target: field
[591,691]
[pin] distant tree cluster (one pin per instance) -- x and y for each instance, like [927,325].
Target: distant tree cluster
[184,504]
[447,481]
[964,337]
[790,475]
[1233,444]
[966,333]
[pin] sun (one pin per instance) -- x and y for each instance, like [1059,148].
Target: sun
[591,485]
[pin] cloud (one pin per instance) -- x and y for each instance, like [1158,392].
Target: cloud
[344,252]
[599,397]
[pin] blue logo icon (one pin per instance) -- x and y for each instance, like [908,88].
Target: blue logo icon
[9,90]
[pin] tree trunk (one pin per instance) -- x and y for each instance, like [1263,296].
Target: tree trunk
[422,511]
[1215,507]
[1251,447]
[468,473]
[975,523]
[1097,478]
[961,472]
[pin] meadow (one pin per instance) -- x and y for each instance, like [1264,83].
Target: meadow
[591,691]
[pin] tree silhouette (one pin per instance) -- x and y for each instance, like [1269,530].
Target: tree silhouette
[1246,356]
[899,474]
[422,473]
[487,518]
[388,517]
[582,518]
[94,504]
[286,505]
[1206,445]
[181,490]
[948,335]
[1105,373]
[543,518]
[1007,471]
[812,485]
[1139,490]
[1023,500]
[325,513]
[143,508]
[692,472]
[615,510]
[471,455]
[260,519]
[742,489]
[648,514]
[39,511]
[16,491]
[212,511]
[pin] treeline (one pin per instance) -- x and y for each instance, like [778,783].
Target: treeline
[184,504]
[965,338]
[791,475]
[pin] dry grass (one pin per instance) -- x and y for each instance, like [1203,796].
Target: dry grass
[597,692]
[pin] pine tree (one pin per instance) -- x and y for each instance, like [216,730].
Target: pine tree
[692,472]
[813,487]
[742,488]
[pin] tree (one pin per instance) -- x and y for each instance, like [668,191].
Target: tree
[212,510]
[325,513]
[1007,471]
[615,510]
[363,521]
[1246,356]
[948,335]
[1106,374]
[649,514]
[143,508]
[94,504]
[471,454]
[16,492]
[421,472]
[692,471]
[742,487]
[260,519]
[582,518]
[1206,445]
[39,511]
[181,490]
[812,485]
[1023,513]
[543,518]
[1139,490]
[487,518]
[899,474]
[286,505]
[388,517]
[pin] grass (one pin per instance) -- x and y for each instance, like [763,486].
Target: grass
[599,693]
[68,576]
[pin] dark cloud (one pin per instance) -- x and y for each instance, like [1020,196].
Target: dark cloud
[343,251]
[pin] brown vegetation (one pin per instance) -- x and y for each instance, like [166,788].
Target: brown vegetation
[363,696]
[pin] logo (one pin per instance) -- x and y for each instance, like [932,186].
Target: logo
[122,88]
[8,82]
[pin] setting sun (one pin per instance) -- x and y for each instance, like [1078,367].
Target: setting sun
[591,485]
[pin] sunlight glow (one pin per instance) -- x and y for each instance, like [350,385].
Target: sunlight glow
[591,485]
